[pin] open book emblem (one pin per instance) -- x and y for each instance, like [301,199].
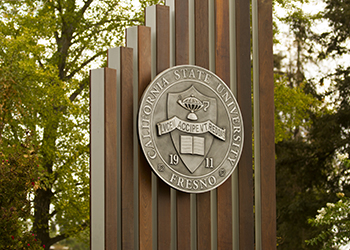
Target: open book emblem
[192,118]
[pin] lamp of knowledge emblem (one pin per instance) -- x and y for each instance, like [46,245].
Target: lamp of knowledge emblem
[190,128]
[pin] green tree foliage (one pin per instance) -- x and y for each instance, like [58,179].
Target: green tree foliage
[310,170]
[19,178]
[310,167]
[300,179]
[333,219]
[46,49]
[21,172]
[335,41]
[292,109]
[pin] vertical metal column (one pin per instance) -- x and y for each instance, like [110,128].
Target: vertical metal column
[202,59]
[121,59]
[265,191]
[222,69]
[145,175]
[103,184]
[245,166]
[130,207]
[157,17]
[127,149]
[164,191]
[97,172]
[139,39]
[182,54]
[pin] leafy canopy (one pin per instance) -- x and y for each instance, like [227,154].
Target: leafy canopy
[46,49]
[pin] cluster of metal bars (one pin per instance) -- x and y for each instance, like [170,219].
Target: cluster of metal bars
[130,207]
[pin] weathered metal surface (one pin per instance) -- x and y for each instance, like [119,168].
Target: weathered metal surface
[266,126]
[111,106]
[190,128]
[145,184]
[244,92]
[202,59]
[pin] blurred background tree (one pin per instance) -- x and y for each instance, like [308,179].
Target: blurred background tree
[312,140]
[46,50]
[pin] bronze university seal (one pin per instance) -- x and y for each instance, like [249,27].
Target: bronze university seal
[190,128]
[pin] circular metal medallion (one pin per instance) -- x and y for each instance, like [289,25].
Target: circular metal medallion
[190,128]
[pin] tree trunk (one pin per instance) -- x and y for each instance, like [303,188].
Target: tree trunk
[42,203]
[44,194]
